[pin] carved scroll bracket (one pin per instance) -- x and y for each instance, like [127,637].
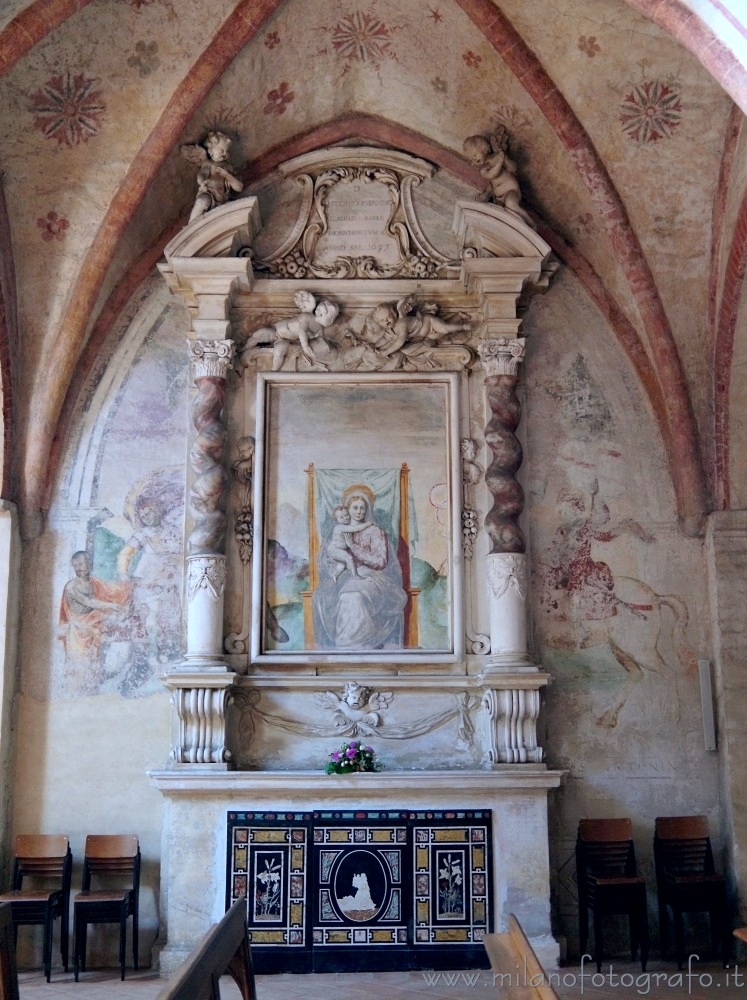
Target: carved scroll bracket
[200,702]
[511,725]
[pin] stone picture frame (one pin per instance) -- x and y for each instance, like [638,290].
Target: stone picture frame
[357,541]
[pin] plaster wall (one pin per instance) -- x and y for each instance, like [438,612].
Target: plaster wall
[619,597]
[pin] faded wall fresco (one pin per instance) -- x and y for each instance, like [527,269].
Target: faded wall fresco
[119,524]
[618,593]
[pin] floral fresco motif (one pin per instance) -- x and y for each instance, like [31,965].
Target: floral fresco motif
[272,38]
[471,59]
[52,226]
[362,37]
[68,109]
[589,45]
[278,99]
[650,111]
[145,59]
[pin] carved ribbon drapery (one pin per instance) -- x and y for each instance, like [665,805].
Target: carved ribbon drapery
[501,358]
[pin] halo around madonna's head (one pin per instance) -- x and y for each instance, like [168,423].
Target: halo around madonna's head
[359,489]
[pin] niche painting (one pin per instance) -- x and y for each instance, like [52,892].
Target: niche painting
[355,507]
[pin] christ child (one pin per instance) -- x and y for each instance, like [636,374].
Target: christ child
[337,548]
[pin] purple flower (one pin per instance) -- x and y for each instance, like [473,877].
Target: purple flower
[351,753]
[353,745]
[335,755]
[370,749]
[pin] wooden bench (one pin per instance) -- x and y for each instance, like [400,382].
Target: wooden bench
[223,950]
[519,975]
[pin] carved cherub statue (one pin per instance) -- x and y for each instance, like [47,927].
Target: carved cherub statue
[356,703]
[311,322]
[497,167]
[419,323]
[214,182]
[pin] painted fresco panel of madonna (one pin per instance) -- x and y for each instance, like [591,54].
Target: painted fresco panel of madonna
[356,507]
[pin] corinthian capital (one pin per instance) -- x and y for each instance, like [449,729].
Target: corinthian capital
[502,355]
[210,358]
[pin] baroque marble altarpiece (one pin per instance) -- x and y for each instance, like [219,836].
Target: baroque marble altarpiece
[356,564]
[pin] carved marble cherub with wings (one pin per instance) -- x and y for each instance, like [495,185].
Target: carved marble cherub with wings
[356,703]
[214,181]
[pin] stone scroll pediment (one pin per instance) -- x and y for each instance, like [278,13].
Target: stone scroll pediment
[356,219]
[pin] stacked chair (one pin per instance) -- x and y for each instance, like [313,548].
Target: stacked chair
[40,892]
[110,893]
[609,883]
[686,882]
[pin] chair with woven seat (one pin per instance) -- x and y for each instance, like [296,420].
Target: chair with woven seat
[609,883]
[45,861]
[112,861]
[686,882]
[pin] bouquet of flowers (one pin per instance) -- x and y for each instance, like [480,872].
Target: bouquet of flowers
[352,756]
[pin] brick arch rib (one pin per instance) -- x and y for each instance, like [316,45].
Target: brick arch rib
[8,350]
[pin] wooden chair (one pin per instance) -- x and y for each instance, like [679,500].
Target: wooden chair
[46,861]
[110,858]
[686,881]
[609,883]
[8,973]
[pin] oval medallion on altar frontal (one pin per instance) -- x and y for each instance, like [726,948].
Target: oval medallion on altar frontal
[361,886]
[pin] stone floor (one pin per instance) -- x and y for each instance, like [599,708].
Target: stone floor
[621,981]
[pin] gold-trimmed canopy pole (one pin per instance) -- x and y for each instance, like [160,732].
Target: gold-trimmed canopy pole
[311,527]
[411,636]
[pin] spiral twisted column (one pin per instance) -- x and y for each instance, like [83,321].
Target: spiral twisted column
[206,560]
[506,560]
[200,687]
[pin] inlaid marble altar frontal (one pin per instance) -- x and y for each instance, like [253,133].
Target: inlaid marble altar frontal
[349,890]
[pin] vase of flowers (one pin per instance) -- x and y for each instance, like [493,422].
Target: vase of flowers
[350,757]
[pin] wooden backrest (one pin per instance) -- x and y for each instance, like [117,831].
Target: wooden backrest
[605,847]
[605,829]
[42,855]
[41,845]
[682,846]
[111,854]
[224,949]
[681,827]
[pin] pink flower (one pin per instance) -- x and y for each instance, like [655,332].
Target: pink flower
[53,227]
[351,753]
[335,755]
